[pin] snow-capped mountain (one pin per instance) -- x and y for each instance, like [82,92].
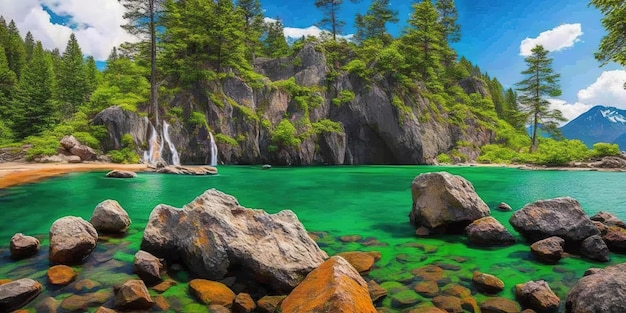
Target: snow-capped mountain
[599,124]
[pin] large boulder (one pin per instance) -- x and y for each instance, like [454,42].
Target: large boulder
[538,296]
[602,291]
[121,174]
[549,250]
[84,152]
[18,293]
[595,248]
[71,240]
[22,246]
[442,201]
[214,232]
[488,231]
[110,218]
[69,142]
[562,217]
[335,286]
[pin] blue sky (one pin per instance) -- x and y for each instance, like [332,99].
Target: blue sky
[492,35]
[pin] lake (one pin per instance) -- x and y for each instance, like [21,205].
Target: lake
[370,201]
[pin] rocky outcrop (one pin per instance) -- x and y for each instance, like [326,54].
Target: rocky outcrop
[121,174]
[549,250]
[335,286]
[538,296]
[488,231]
[71,240]
[18,293]
[71,146]
[147,267]
[601,291]
[110,218]
[23,246]
[562,217]
[445,202]
[214,232]
[119,122]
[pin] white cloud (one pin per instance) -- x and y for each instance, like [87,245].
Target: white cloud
[558,38]
[311,31]
[95,23]
[607,90]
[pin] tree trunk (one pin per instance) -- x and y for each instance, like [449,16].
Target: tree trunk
[154,97]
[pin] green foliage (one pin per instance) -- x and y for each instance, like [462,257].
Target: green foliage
[127,154]
[305,97]
[373,23]
[197,120]
[327,126]
[125,84]
[602,149]
[225,139]
[497,154]
[345,96]
[72,84]
[404,111]
[275,45]
[6,135]
[285,134]
[444,158]
[176,111]
[42,146]
[357,67]
[247,112]
[266,124]
[557,153]
[612,47]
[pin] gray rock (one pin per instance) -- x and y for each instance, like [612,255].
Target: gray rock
[147,267]
[120,122]
[71,240]
[562,217]
[22,246]
[549,250]
[442,200]
[599,292]
[110,218]
[608,219]
[595,249]
[538,296]
[121,174]
[18,293]
[488,231]
[504,207]
[214,231]
[69,142]
[84,152]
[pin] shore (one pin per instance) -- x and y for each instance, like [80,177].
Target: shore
[16,173]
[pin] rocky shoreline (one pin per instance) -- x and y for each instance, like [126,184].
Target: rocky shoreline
[234,259]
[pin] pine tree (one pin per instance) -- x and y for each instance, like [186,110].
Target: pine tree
[142,17]
[373,23]
[253,26]
[451,31]
[72,87]
[540,82]
[29,45]
[422,44]
[331,9]
[15,51]
[8,83]
[512,112]
[275,44]
[613,44]
[4,32]
[33,109]
[93,74]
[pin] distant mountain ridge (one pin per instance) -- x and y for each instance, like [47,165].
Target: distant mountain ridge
[599,124]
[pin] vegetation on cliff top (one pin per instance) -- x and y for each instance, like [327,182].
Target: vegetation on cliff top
[45,94]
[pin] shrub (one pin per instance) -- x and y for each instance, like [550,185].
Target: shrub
[602,149]
[198,119]
[327,126]
[345,96]
[223,138]
[285,134]
[444,158]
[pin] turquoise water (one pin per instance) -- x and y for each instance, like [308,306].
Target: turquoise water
[370,201]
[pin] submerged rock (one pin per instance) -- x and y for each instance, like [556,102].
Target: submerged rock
[500,305]
[447,202]
[487,283]
[61,275]
[18,293]
[335,286]
[71,240]
[361,261]
[608,219]
[23,246]
[562,217]
[211,292]
[504,207]
[121,174]
[599,291]
[214,231]
[488,231]
[110,218]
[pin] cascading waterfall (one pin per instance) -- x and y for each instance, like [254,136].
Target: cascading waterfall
[213,151]
[166,137]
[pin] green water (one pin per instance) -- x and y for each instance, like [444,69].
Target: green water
[370,201]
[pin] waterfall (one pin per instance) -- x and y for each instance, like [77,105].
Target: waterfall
[154,148]
[166,138]
[213,151]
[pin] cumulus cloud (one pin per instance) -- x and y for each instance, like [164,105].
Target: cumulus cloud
[558,38]
[607,90]
[297,33]
[95,23]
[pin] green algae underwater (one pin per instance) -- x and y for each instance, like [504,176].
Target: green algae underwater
[372,202]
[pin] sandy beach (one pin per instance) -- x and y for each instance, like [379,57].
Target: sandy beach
[15,173]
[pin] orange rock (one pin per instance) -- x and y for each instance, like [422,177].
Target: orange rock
[361,261]
[164,286]
[335,286]
[269,304]
[243,303]
[161,303]
[211,292]
[5,281]
[429,272]
[61,275]
[427,288]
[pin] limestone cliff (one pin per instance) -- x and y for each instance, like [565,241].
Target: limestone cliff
[376,122]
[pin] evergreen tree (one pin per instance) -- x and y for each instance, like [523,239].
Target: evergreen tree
[613,44]
[253,25]
[14,50]
[4,32]
[422,44]
[512,112]
[540,82]
[7,86]
[331,9]
[275,43]
[92,74]
[497,96]
[373,23]
[72,88]
[451,31]
[142,17]
[29,45]
[33,109]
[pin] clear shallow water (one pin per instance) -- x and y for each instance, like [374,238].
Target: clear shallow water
[371,201]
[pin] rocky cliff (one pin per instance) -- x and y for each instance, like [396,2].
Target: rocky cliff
[349,120]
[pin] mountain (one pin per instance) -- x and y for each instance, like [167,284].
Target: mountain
[599,124]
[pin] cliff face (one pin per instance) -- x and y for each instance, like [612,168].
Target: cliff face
[379,125]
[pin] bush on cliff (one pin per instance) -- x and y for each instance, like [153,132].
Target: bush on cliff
[285,134]
[127,154]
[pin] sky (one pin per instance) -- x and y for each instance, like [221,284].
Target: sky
[496,35]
